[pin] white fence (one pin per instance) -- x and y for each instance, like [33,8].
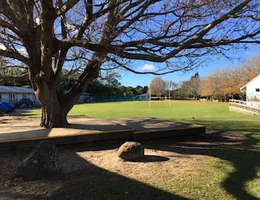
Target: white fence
[237,105]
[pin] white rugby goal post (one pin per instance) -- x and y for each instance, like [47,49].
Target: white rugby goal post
[160,98]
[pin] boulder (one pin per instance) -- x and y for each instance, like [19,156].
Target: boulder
[41,163]
[131,151]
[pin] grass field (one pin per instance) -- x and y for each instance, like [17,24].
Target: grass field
[213,115]
[232,170]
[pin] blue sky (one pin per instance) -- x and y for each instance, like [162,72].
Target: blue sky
[131,79]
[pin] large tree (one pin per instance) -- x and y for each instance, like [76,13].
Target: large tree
[87,35]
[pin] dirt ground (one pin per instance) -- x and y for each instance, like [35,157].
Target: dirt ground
[85,168]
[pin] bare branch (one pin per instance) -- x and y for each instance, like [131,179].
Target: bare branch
[5,78]
[15,55]
[66,7]
[13,66]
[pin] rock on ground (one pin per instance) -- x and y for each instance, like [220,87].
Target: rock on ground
[131,151]
[41,163]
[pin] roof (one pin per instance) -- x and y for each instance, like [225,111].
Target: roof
[244,86]
[14,89]
[142,94]
[66,91]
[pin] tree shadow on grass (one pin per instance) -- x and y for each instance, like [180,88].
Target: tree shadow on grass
[137,124]
[27,112]
[246,163]
[241,153]
[229,124]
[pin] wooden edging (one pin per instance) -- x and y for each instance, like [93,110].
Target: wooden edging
[116,135]
[66,136]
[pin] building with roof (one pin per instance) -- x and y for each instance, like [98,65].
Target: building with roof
[252,89]
[85,98]
[142,97]
[13,95]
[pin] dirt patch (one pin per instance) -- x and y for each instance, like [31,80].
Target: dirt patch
[88,165]
[175,162]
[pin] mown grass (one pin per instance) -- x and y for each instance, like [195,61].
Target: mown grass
[233,171]
[212,115]
[178,110]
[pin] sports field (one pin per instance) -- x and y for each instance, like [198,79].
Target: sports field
[213,115]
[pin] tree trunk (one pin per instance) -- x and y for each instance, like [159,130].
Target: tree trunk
[53,115]
[54,110]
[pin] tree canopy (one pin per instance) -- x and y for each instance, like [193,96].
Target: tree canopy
[157,86]
[223,83]
[90,35]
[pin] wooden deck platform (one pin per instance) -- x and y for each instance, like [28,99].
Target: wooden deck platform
[22,131]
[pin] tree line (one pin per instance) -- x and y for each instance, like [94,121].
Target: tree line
[182,90]
[220,84]
[223,84]
[106,85]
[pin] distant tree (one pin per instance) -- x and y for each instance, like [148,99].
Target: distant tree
[139,89]
[230,82]
[189,88]
[122,90]
[170,86]
[194,85]
[248,69]
[224,83]
[157,86]
[215,82]
[145,89]
[130,92]
[184,90]
[206,89]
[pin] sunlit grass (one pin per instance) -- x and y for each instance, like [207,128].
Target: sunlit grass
[214,115]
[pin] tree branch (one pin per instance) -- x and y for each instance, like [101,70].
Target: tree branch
[66,7]
[15,55]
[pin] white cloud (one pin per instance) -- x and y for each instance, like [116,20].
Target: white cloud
[148,67]
[2,47]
